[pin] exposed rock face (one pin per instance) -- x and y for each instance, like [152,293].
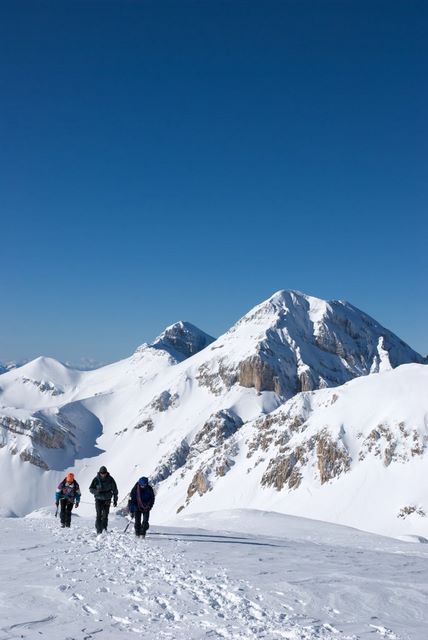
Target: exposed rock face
[393,444]
[182,340]
[218,428]
[146,424]
[199,484]
[310,344]
[282,471]
[255,372]
[214,435]
[407,511]
[217,376]
[332,455]
[164,401]
[210,379]
[40,435]
[170,464]
[307,381]
[44,386]
[33,458]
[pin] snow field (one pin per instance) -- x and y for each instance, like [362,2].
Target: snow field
[313,581]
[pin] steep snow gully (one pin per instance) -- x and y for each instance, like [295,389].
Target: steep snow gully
[304,581]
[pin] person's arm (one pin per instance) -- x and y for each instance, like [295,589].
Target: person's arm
[132,502]
[115,493]
[77,495]
[152,501]
[93,488]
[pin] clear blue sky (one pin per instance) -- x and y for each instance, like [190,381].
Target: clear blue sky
[184,160]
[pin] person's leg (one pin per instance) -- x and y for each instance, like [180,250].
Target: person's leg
[145,524]
[68,508]
[62,514]
[104,520]
[98,522]
[137,524]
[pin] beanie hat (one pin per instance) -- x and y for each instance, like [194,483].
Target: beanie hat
[70,477]
[143,481]
[102,470]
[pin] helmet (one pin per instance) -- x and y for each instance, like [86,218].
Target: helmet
[143,481]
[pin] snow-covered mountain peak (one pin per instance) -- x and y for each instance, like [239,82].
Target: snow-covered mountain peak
[181,340]
[43,368]
[288,302]
[294,342]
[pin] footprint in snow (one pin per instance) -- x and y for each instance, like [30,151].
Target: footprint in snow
[87,609]
[384,632]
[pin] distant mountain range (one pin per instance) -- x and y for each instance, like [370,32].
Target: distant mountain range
[304,406]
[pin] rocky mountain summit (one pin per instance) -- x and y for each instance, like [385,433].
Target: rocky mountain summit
[181,340]
[305,343]
[266,415]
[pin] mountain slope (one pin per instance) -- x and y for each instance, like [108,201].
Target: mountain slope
[239,413]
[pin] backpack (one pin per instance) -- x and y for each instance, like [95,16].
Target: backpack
[69,490]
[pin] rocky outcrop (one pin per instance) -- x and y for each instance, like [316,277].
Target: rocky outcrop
[218,428]
[333,457]
[283,471]
[34,458]
[257,373]
[307,381]
[392,444]
[199,484]
[164,401]
[407,511]
[44,386]
[38,433]
[217,376]
[147,424]
[330,455]
[182,340]
[168,465]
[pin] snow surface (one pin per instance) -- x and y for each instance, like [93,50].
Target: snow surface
[241,575]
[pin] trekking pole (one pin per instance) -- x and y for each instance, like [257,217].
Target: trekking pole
[126,528]
[56,512]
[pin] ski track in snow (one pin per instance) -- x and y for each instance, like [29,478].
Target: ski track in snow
[168,586]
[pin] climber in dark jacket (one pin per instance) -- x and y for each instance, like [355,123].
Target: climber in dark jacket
[104,488]
[140,503]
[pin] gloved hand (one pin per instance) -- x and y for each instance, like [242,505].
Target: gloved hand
[76,504]
[56,504]
[132,515]
[114,503]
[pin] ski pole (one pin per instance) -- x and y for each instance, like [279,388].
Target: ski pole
[126,528]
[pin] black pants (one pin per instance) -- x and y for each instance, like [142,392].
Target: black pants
[141,528]
[65,513]
[102,507]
